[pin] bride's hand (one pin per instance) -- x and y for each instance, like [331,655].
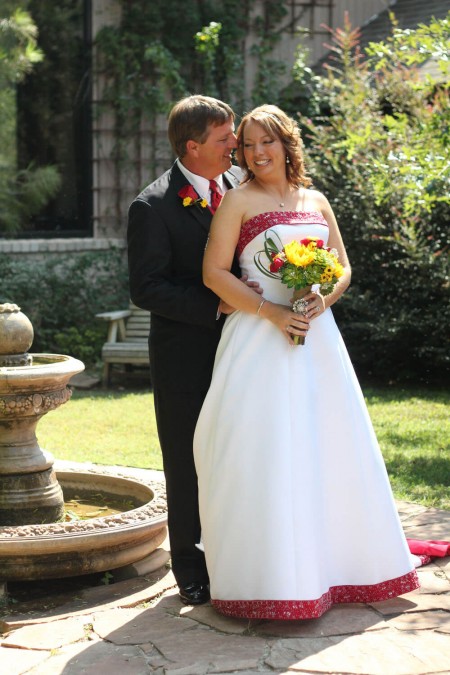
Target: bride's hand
[287,321]
[316,305]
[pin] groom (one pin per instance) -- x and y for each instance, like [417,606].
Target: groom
[168,227]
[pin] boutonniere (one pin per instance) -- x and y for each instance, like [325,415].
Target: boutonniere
[191,198]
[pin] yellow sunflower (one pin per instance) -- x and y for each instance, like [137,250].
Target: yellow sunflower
[338,270]
[298,255]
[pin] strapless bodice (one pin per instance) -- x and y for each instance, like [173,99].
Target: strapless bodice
[288,225]
[264,221]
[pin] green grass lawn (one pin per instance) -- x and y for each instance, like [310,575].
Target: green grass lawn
[118,427]
[413,429]
[104,428]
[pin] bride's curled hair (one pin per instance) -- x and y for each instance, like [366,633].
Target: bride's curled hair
[277,125]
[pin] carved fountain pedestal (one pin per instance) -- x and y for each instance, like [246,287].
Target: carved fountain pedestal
[29,489]
[35,540]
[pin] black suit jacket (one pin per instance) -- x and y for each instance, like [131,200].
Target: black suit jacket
[166,243]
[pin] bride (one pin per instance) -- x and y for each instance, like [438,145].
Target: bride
[296,508]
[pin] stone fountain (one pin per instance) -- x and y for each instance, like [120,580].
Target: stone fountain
[35,540]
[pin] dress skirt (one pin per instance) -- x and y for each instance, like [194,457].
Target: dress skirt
[296,508]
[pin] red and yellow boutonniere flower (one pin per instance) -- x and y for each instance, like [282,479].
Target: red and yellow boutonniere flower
[191,198]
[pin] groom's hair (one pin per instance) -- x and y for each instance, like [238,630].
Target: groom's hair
[191,118]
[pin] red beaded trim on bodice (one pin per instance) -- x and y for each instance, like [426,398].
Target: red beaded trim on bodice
[264,221]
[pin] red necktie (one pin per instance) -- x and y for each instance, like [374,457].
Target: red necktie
[216,197]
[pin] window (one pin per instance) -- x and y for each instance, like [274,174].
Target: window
[54,116]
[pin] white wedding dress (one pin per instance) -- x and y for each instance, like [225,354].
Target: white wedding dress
[296,508]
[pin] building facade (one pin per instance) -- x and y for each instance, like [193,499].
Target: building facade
[111,188]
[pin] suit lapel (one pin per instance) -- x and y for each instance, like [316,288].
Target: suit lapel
[231,180]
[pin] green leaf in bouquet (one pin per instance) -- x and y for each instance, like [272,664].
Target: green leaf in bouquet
[326,288]
[293,276]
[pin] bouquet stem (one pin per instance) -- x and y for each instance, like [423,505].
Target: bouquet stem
[299,306]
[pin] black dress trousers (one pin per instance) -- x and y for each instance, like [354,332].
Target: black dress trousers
[176,417]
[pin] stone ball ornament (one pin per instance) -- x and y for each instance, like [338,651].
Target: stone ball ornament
[16,336]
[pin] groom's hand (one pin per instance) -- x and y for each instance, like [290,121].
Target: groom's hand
[225,308]
[252,284]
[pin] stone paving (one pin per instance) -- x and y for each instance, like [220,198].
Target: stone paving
[138,626]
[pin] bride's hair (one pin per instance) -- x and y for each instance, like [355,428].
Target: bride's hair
[277,125]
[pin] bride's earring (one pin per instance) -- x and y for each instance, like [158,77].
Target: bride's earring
[288,161]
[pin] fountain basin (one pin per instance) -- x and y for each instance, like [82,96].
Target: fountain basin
[75,548]
[45,371]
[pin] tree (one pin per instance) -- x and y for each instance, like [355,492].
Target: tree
[22,193]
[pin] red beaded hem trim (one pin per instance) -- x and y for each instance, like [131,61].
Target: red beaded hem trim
[264,221]
[313,609]
[424,559]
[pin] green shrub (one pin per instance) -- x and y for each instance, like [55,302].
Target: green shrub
[85,343]
[62,298]
[380,154]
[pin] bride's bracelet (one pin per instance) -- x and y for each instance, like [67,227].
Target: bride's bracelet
[260,306]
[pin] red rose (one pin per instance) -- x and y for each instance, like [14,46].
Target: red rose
[276,265]
[319,243]
[188,191]
[305,242]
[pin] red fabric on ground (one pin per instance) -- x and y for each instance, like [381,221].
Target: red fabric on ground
[429,547]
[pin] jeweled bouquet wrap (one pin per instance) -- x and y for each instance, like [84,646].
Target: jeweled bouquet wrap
[300,265]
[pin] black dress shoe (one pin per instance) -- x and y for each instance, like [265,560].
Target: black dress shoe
[194,594]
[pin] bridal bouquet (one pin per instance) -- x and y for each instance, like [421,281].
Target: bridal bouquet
[300,265]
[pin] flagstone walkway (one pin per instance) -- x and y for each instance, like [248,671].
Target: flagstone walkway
[138,626]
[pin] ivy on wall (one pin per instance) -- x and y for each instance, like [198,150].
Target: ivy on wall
[269,70]
[166,49]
